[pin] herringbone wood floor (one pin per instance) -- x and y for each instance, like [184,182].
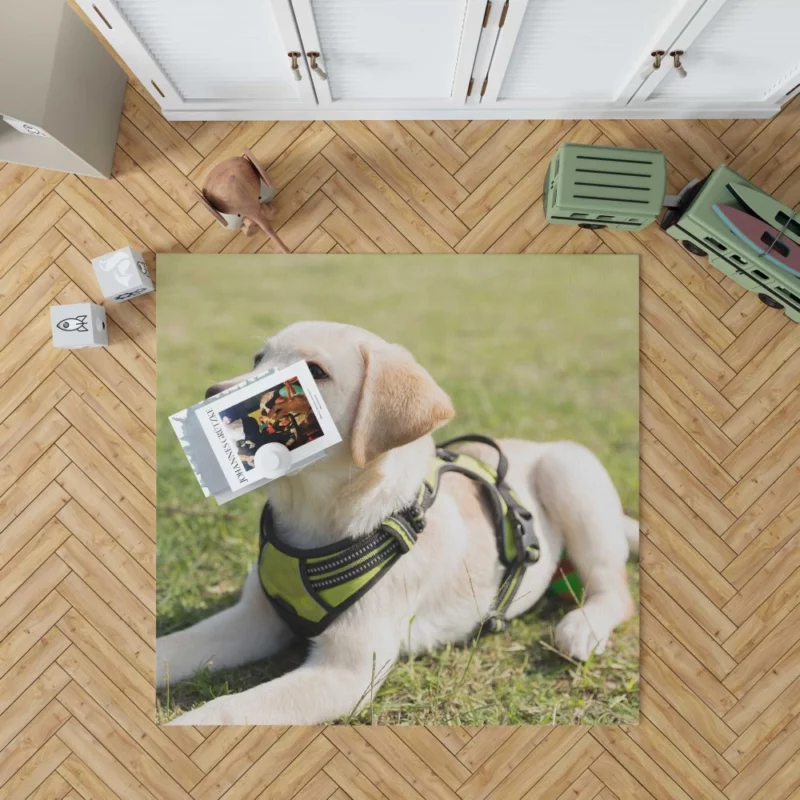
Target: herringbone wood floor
[720,461]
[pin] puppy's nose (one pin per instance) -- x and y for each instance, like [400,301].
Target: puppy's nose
[215,389]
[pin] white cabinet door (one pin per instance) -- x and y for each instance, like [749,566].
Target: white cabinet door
[390,54]
[735,51]
[575,54]
[207,55]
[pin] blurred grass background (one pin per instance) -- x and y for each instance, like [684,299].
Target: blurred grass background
[555,336]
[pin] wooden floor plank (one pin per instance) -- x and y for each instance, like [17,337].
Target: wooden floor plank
[124,640]
[684,556]
[686,703]
[25,199]
[158,203]
[31,593]
[12,176]
[496,185]
[31,738]
[419,161]
[30,230]
[691,634]
[781,602]
[681,408]
[768,580]
[112,446]
[701,609]
[163,172]
[31,266]
[159,131]
[354,206]
[476,133]
[493,153]
[108,587]
[395,192]
[105,768]
[299,153]
[26,561]
[127,750]
[30,630]
[684,736]
[437,143]
[209,135]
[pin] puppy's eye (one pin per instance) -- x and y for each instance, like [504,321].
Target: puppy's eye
[317,373]
[257,359]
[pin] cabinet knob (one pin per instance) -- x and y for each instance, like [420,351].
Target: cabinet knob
[676,60]
[295,66]
[657,55]
[313,56]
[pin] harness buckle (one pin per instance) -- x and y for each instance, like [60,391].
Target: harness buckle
[415,516]
[527,545]
[446,455]
[495,624]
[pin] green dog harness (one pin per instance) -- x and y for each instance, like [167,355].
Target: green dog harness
[311,588]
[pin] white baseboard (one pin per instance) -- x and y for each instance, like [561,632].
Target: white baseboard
[700,111]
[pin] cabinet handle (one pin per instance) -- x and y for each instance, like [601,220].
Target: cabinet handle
[657,55]
[313,56]
[676,60]
[294,65]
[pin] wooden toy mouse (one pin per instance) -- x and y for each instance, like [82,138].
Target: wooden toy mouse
[238,193]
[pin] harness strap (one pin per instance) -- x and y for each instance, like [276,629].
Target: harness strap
[517,544]
[502,461]
[311,588]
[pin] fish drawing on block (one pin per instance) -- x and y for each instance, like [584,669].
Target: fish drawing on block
[761,237]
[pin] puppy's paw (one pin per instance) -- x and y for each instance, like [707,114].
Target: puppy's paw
[578,635]
[214,712]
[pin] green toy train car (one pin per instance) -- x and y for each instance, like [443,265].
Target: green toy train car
[605,187]
[610,187]
[696,225]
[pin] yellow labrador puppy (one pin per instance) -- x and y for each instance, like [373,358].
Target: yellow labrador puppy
[386,406]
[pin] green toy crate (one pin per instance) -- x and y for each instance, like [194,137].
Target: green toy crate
[695,224]
[605,187]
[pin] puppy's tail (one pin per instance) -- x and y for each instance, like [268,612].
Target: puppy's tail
[631,528]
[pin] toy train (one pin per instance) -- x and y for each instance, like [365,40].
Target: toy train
[745,233]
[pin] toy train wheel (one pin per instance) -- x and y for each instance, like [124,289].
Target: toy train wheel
[693,248]
[770,301]
[592,226]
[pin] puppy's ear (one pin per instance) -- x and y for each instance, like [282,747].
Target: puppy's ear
[399,402]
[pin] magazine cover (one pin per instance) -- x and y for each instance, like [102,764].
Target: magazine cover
[281,410]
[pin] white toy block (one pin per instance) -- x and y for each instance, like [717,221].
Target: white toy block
[78,325]
[122,274]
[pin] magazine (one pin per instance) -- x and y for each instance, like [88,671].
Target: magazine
[263,428]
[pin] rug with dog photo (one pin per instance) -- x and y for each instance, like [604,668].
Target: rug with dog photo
[430,514]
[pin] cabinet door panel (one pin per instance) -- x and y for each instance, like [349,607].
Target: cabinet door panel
[379,52]
[573,53]
[207,54]
[749,51]
[579,50]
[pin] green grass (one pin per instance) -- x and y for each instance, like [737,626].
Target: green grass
[555,337]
